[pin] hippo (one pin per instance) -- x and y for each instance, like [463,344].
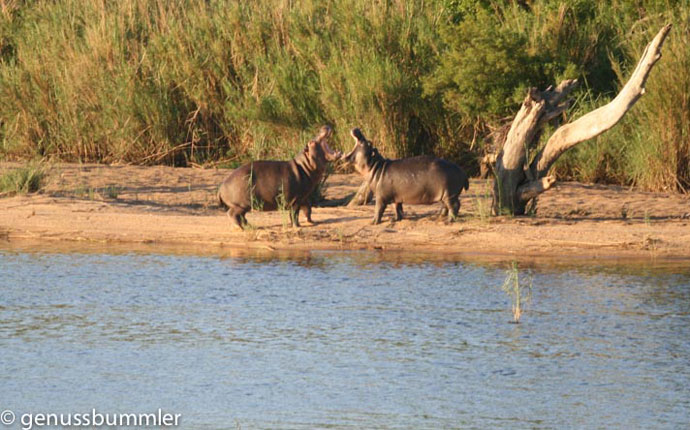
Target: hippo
[270,185]
[415,180]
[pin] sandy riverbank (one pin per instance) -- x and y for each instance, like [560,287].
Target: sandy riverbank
[177,207]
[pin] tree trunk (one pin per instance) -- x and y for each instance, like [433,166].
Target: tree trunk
[517,180]
[362,196]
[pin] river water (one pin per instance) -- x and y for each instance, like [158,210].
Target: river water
[342,340]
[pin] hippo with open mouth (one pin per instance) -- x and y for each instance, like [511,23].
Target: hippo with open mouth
[415,180]
[272,185]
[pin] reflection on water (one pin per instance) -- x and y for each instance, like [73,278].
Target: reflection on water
[342,340]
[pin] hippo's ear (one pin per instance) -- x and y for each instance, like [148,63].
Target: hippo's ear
[310,149]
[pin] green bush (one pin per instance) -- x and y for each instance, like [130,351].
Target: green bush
[494,55]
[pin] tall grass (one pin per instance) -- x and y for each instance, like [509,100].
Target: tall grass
[150,82]
[147,81]
[659,128]
[650,148]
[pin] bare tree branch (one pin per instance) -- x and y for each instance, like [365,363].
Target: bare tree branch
[599,120]
[532,189]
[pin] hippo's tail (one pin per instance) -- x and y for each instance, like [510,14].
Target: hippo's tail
[465,180]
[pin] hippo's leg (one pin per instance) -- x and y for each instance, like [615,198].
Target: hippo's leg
[398,212]
[456,206]
[444,211]
[451,206]
[236,213]
[306,210]
[294,216]
[378,212]
[243,220]
[237,218]
[240,220]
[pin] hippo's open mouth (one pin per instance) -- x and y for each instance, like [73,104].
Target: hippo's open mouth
[330,154]
[356,133]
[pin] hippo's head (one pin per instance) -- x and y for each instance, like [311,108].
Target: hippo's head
[317,150]
[363,155]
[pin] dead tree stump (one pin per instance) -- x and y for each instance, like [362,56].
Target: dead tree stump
[520,176]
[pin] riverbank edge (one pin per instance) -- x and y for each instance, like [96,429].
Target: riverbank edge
[29,243]
[164,209]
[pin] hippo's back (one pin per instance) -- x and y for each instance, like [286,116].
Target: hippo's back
[423,179]
[426,167]
[264,178]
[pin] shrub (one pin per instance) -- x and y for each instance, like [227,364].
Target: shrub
[23,180]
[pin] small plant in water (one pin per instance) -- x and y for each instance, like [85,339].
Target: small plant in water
[519,292]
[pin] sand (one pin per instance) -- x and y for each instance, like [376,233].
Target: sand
[164,206]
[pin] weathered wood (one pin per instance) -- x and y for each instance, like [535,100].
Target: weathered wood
[509,170]
[599,120]
[517,180]
[362,196]
[530,190]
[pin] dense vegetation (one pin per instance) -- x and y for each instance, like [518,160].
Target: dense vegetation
[151,81]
